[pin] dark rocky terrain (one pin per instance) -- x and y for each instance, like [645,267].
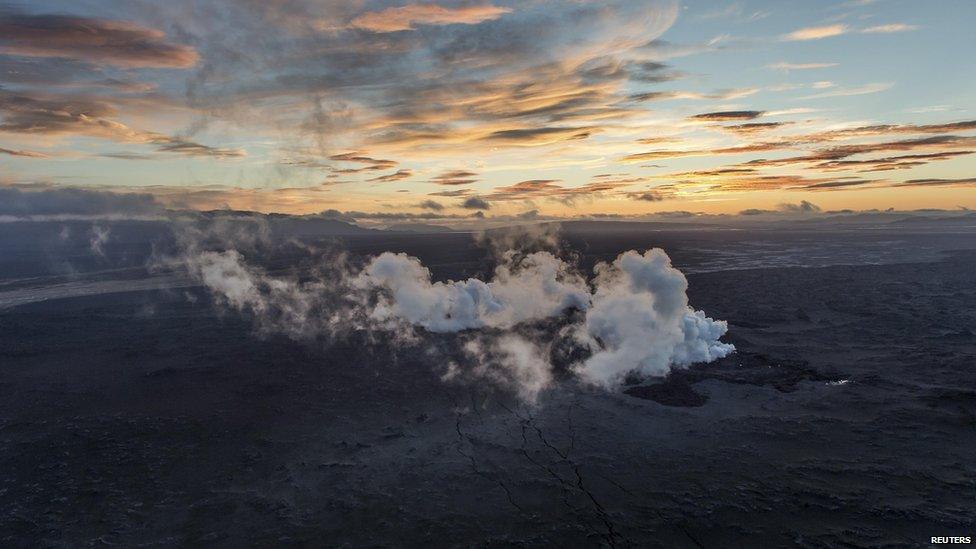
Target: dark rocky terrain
[144,415]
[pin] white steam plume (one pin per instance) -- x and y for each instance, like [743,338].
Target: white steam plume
[302,308]
[526,288]
[541,237]
[277,304]
[640,320]
[509,360]
[99,237]
[635,317]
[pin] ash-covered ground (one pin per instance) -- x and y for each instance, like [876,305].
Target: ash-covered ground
[135,410]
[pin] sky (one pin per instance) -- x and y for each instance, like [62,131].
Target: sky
[451,109]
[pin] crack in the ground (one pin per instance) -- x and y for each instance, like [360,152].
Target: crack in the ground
[474,464]
[565,486]
[680,525]
[529,421]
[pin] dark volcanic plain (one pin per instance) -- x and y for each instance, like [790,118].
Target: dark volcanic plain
[134,411]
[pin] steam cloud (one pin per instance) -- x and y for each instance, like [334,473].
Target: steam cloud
[633,316]
[640,320]
[99,237]
[530,288]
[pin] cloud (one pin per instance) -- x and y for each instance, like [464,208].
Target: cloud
[327,76]
[890,28]
[395,176]
[399,216]
[529,187]
[406,17]
[718,172]
[734,12]
[127,156]
[830,154]
[769,182]
[816,33]
[54,201]
[475,203]
[720,95]
[337,215]
[648,196]
[745,177]
[963,182]
[372,164]
[68,73]
[882,129]
[753,128]
[846,92]
[99,238]
[827,156]
[804,207]
[827,31]
[431,205]
[610,69]
[99,41]
[664,49]
[549,189]
[535,286]
[889,163]
[510,360]
[539,136]
[454,193]
[640,321]
[22,153]
[841,184]
[636,317]
[43,114]
[359,87]
[737,149]
[785,66]
[185,147]
[794,110]
[726,116]
[455,177]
